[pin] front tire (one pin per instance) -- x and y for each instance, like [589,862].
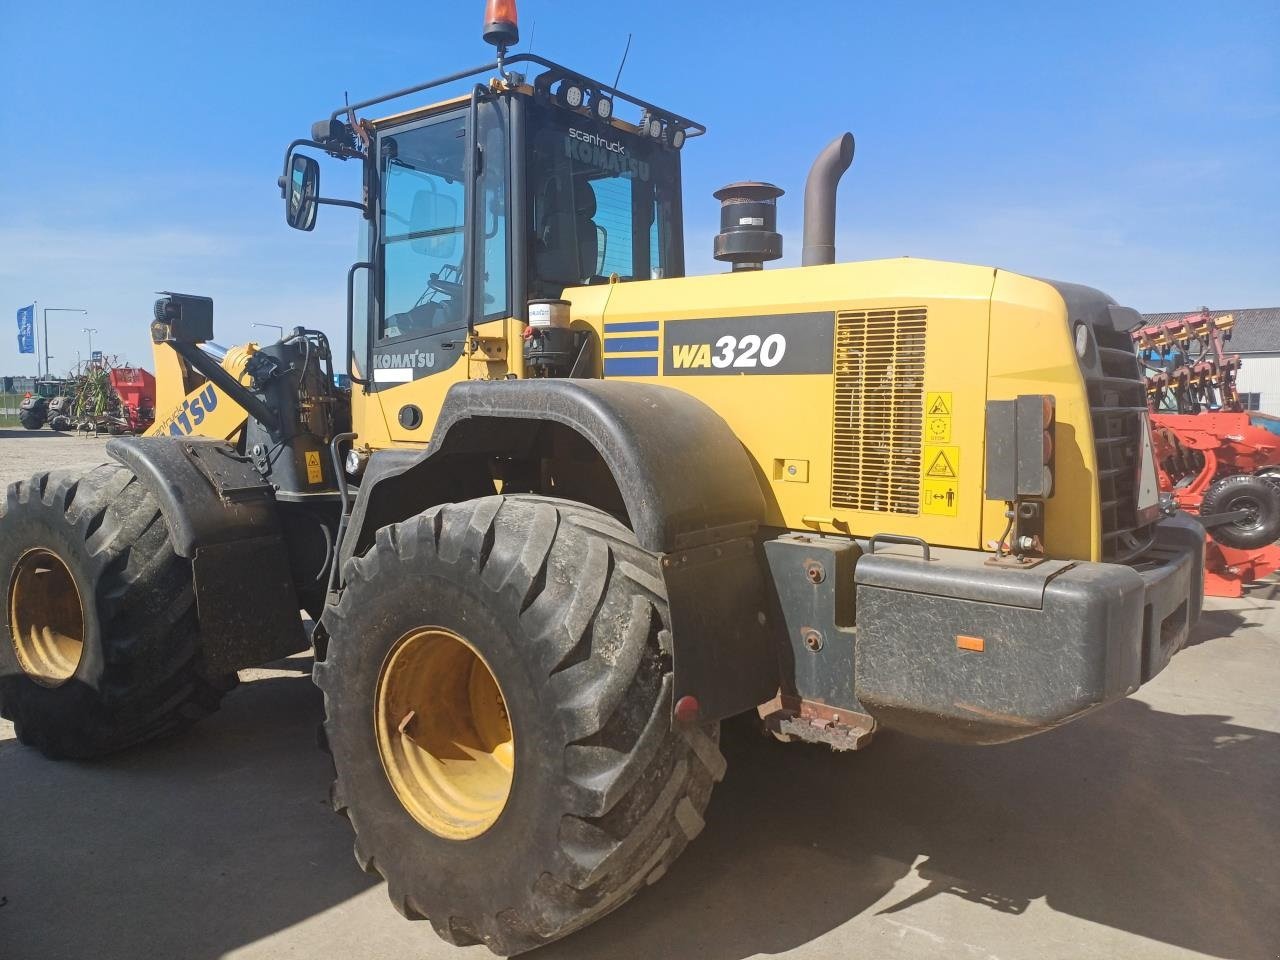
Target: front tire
[559,607]
[100,644]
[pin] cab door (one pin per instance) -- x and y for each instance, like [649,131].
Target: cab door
[422,301]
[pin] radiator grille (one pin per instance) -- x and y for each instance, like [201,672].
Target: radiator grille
[879,410]
[1117,403]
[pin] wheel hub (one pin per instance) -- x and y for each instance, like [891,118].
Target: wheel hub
[46,617]
[1253,515]
[443,732]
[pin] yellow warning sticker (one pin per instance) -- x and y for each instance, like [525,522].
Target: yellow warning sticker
[314,473]
[941,462]
[940,497]
[937,414]
[937,404]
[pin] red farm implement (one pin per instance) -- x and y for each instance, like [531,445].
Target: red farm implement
[136,389]
[1214,459]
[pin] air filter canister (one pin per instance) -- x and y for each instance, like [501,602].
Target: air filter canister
[748,224]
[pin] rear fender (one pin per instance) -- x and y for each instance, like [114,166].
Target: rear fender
[689,490]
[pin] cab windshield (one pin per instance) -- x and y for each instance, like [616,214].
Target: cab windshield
[602,202]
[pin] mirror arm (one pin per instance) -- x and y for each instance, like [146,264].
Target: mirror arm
[288,155]
[354,204]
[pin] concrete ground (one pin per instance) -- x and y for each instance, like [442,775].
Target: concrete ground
[23,452]
[1146,830]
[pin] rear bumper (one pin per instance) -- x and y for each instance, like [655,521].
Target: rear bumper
[1057,640]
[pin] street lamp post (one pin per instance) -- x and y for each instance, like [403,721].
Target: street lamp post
[47,310]
[90,331]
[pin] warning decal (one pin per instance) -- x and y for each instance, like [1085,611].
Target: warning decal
[940,478]
[314,473]
[942,462]
[937,410]
[940,497]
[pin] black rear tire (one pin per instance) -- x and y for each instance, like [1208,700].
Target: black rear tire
[1256,494]
[569,613]
[32,417]
[139,673]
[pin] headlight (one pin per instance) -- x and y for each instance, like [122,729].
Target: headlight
[1082,340]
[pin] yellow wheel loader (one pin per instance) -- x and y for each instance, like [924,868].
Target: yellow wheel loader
[577,508]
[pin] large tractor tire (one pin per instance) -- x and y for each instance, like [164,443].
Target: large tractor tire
[100,645]
[497,688]
[61,412]
[33,412]
[1256,495]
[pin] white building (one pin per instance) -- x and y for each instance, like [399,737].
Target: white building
[1256,338]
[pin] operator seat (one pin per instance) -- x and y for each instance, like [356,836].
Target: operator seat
[584,204]
[567,248]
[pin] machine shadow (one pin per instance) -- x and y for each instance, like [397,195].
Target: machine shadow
[1147,822]
[1217,624]
[20,433]
[188,847]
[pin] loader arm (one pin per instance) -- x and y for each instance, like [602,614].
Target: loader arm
[189,405]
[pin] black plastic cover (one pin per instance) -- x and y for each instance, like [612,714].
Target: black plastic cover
[187,317]
[1058,639]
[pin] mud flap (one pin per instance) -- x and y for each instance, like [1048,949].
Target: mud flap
[241,617]
[222,516]
[724,642]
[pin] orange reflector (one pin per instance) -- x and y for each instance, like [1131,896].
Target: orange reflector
[1047,409]
[976,644]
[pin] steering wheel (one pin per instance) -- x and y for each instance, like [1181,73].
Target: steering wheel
[448,287]
[451,289]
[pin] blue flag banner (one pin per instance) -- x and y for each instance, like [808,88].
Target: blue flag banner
[27,329]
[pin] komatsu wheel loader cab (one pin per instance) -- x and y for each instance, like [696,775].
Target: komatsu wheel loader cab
[585,506]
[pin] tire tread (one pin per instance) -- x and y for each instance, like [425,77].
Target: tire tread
[638,786]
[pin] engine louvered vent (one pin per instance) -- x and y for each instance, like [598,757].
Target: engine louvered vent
[879,410]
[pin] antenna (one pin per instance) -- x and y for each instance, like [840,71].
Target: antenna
[623,63]
[533,32]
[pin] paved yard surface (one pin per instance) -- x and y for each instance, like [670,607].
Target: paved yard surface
[23,452]
[1147,830]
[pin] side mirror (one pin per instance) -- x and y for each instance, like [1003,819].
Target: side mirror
[301,191]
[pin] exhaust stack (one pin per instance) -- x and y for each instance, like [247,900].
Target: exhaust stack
[820,201]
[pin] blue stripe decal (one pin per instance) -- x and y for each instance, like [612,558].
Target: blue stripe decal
[630,344]
[634,326]
[630,366]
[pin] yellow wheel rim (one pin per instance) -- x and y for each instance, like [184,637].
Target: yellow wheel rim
[444,735]
[46,617]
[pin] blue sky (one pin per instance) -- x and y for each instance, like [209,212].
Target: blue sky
[1132,147]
